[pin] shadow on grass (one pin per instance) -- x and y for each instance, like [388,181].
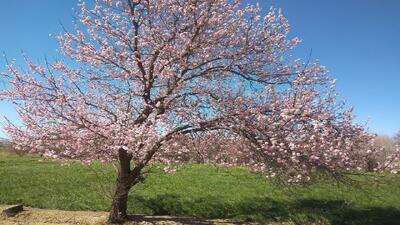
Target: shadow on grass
[180,220]
[267,210]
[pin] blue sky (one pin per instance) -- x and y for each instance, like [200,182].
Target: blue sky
[358,40]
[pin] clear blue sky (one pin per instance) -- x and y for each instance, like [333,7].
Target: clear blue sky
[359,42]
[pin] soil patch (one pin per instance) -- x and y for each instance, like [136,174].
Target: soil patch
[34,216]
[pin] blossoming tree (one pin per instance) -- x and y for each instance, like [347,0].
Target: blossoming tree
[142,76]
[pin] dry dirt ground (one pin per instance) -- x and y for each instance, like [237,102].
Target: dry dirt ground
[33,216]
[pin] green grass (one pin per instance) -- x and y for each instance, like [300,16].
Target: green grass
[198,190]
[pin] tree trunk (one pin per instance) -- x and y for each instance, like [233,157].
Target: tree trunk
[127,178]
[118,212]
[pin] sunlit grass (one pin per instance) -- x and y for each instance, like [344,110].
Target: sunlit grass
[198,190]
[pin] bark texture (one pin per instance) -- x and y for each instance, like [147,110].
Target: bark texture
[119,205]
[127,178]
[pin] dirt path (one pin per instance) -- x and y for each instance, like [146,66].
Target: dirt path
[33,216]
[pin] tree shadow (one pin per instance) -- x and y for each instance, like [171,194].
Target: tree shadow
[180,220]
[263,210]
[344,213]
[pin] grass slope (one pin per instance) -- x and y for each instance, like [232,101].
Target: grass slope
[197,190]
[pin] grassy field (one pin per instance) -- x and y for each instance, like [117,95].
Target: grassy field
[198,190]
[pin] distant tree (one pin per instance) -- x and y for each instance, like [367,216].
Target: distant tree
[385,148]
[148,76]
[385,142]
[393,159]
[396,138]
